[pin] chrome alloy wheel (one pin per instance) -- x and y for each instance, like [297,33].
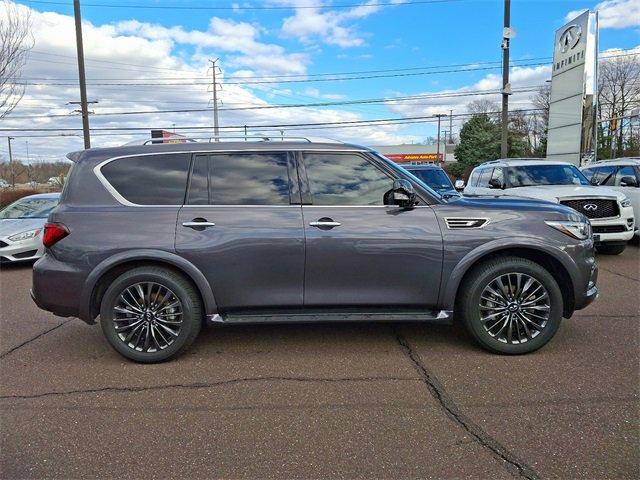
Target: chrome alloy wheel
[514,308]
[147,317]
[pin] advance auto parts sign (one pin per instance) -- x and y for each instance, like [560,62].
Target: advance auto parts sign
[413,157]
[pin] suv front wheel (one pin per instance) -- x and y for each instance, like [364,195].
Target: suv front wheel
[510,305]
[150,314]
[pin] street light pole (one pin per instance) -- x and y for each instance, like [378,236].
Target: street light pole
[83,81]
[439,116]
[13,177]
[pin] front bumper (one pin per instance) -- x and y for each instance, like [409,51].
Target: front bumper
[23,251]
[590,290]
[614,230]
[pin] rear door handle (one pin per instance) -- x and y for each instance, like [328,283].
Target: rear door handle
[198,224]
[324,223]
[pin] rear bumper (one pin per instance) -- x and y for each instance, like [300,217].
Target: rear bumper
[56,287]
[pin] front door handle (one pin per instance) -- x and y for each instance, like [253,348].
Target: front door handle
[325,223]
[198,224]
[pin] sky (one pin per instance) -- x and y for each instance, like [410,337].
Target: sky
[153,56]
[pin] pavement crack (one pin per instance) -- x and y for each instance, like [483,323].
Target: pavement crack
[618,274]
[198,385]
[33,339]
[517,467]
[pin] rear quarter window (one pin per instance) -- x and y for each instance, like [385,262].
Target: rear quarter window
[149,179]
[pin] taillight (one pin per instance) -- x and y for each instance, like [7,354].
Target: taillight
[53,233]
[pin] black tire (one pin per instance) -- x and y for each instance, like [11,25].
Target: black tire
[180,290]
[605,249]
[470,310]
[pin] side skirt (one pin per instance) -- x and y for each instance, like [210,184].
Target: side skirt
[245,318]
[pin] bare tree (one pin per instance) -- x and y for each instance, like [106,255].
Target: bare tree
[15,43]
[618,94]
[541,101]
[482,105]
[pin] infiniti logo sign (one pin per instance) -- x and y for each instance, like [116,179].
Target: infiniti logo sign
[590,207]
[570,38]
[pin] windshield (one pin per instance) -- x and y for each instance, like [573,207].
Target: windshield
[29,208]
[433,177]
[530,175]
[402,172]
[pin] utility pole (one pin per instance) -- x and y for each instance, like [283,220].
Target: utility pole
[83,81]
[439,116]
[507,34]
[450,126]
[13,177]
[216,130]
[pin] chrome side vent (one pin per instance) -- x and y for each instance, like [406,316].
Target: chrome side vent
[458,223]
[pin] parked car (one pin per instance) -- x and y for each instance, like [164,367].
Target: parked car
[609,212]
[4,184]
[21,227]
[435,177]
[621,174]
[154,239]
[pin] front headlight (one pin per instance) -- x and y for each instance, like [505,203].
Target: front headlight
[579,230]
[18,237]
[626,202]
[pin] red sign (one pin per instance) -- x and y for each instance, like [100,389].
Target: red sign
[414,157]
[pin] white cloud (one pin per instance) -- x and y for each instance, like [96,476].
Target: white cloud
[614,13]
[332,27]
[155,55]
[519,77]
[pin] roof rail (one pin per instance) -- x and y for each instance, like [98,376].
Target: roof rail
[221,138]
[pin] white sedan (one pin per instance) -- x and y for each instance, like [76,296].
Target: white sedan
[22,225]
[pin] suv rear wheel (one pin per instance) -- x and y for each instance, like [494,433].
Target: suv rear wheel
[150,314]
[511,305]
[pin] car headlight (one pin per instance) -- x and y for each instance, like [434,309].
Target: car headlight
[18,237]
[580,230]
[626,202]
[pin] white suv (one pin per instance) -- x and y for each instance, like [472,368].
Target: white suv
[621,174]
[609,211]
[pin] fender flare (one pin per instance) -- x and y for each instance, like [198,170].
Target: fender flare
[160,256]
[449,286]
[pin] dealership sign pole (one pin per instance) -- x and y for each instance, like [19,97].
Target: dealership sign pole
[572,129]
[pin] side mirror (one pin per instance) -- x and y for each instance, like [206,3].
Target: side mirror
[628,181]
[402,194]
[495,183]
[459,185]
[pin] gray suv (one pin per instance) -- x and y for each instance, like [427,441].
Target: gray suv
[158,239]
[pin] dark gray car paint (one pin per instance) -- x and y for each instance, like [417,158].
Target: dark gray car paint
[255,257]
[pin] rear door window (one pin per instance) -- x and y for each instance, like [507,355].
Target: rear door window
[240,179]
[149,179]
[605,175]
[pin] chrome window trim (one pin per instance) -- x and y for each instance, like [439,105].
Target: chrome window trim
[97,170]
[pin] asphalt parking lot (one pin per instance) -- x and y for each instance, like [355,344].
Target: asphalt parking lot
[324,401]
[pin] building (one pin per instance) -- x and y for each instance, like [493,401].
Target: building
[416,154]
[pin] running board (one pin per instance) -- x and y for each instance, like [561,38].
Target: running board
[442,316]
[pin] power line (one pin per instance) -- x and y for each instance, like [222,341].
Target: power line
[251,7]
[468,93]
[279,125]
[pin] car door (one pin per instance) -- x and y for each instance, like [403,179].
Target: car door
[242,227]
[360,252]
[631,191]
